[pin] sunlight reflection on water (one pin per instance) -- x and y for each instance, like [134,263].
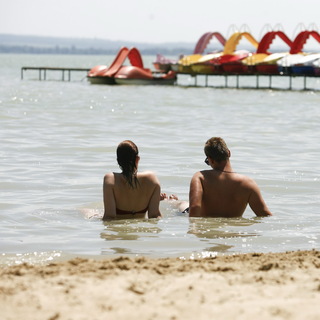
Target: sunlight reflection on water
[58,140]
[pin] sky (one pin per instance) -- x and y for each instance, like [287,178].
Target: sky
[154,21]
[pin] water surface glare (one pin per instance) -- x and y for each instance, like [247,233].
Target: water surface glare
[58,139]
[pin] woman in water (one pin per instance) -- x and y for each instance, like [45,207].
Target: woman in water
[130,194]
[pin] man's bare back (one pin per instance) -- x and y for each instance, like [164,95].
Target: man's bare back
[221,192]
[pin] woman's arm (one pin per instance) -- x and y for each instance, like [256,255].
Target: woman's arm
[153,207]
[108,197]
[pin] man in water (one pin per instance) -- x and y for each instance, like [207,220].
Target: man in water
[221,192]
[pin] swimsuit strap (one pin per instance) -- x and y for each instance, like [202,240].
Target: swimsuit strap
[122,212]
[186,210]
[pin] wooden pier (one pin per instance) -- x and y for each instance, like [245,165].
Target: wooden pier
[256,84]
[66,76]
[43,72]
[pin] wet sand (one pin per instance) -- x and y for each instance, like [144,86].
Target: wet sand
[248,286]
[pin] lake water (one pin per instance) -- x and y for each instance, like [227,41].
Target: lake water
[58,139]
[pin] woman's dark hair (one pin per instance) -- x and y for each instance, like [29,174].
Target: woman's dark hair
[127,153]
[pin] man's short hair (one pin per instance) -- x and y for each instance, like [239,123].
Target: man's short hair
[216,149]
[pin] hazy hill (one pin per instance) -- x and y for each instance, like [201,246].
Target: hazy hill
[38,44]
[53,45]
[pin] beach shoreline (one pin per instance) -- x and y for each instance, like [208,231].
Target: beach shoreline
[243,286]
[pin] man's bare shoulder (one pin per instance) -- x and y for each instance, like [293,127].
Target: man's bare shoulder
[201,174]
[246,181]
[238,178]
[244,178]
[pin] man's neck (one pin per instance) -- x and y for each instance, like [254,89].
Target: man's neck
[223,167]
[225,171]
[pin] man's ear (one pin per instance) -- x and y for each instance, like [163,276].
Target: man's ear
[229,152]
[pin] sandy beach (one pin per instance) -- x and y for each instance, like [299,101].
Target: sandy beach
[267,286]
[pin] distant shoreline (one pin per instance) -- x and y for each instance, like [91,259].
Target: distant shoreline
[84,51]
[51,45]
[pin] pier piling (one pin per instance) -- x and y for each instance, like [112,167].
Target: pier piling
[43,71]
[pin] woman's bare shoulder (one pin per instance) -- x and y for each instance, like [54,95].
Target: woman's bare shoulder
[148,175]
[109,178]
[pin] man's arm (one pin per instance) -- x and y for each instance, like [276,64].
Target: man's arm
[195,196]
[108,197]
[257,203]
